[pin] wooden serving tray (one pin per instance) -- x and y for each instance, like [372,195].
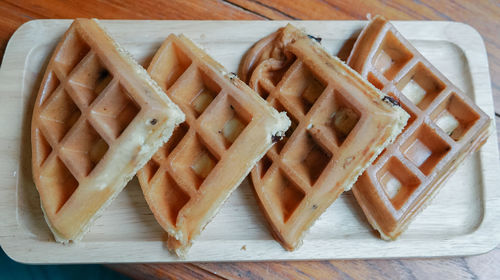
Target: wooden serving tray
[463,219]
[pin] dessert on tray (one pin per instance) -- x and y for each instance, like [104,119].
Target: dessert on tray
[228,128]
[444,127]
[98,118]
[340,123]
[392,127]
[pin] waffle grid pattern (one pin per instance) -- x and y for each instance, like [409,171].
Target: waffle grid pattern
[217,116]
[339,125]
[84,110]
[299,159]
[441,127]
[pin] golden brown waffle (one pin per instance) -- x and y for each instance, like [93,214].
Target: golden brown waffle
[98,118]
[340,123]
[228,129]
[445,126]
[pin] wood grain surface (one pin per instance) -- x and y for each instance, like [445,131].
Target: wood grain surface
[482,15]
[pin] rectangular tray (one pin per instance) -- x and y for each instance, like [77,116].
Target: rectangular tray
[463,219]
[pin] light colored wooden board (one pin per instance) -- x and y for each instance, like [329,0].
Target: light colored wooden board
[462,219]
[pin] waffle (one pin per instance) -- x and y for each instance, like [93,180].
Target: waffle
[445,126]
[98,118]
[228,129]
[340,123]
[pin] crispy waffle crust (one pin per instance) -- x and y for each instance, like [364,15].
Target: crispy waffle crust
[340,123]
[98,118]
[228,129]
[444,127]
